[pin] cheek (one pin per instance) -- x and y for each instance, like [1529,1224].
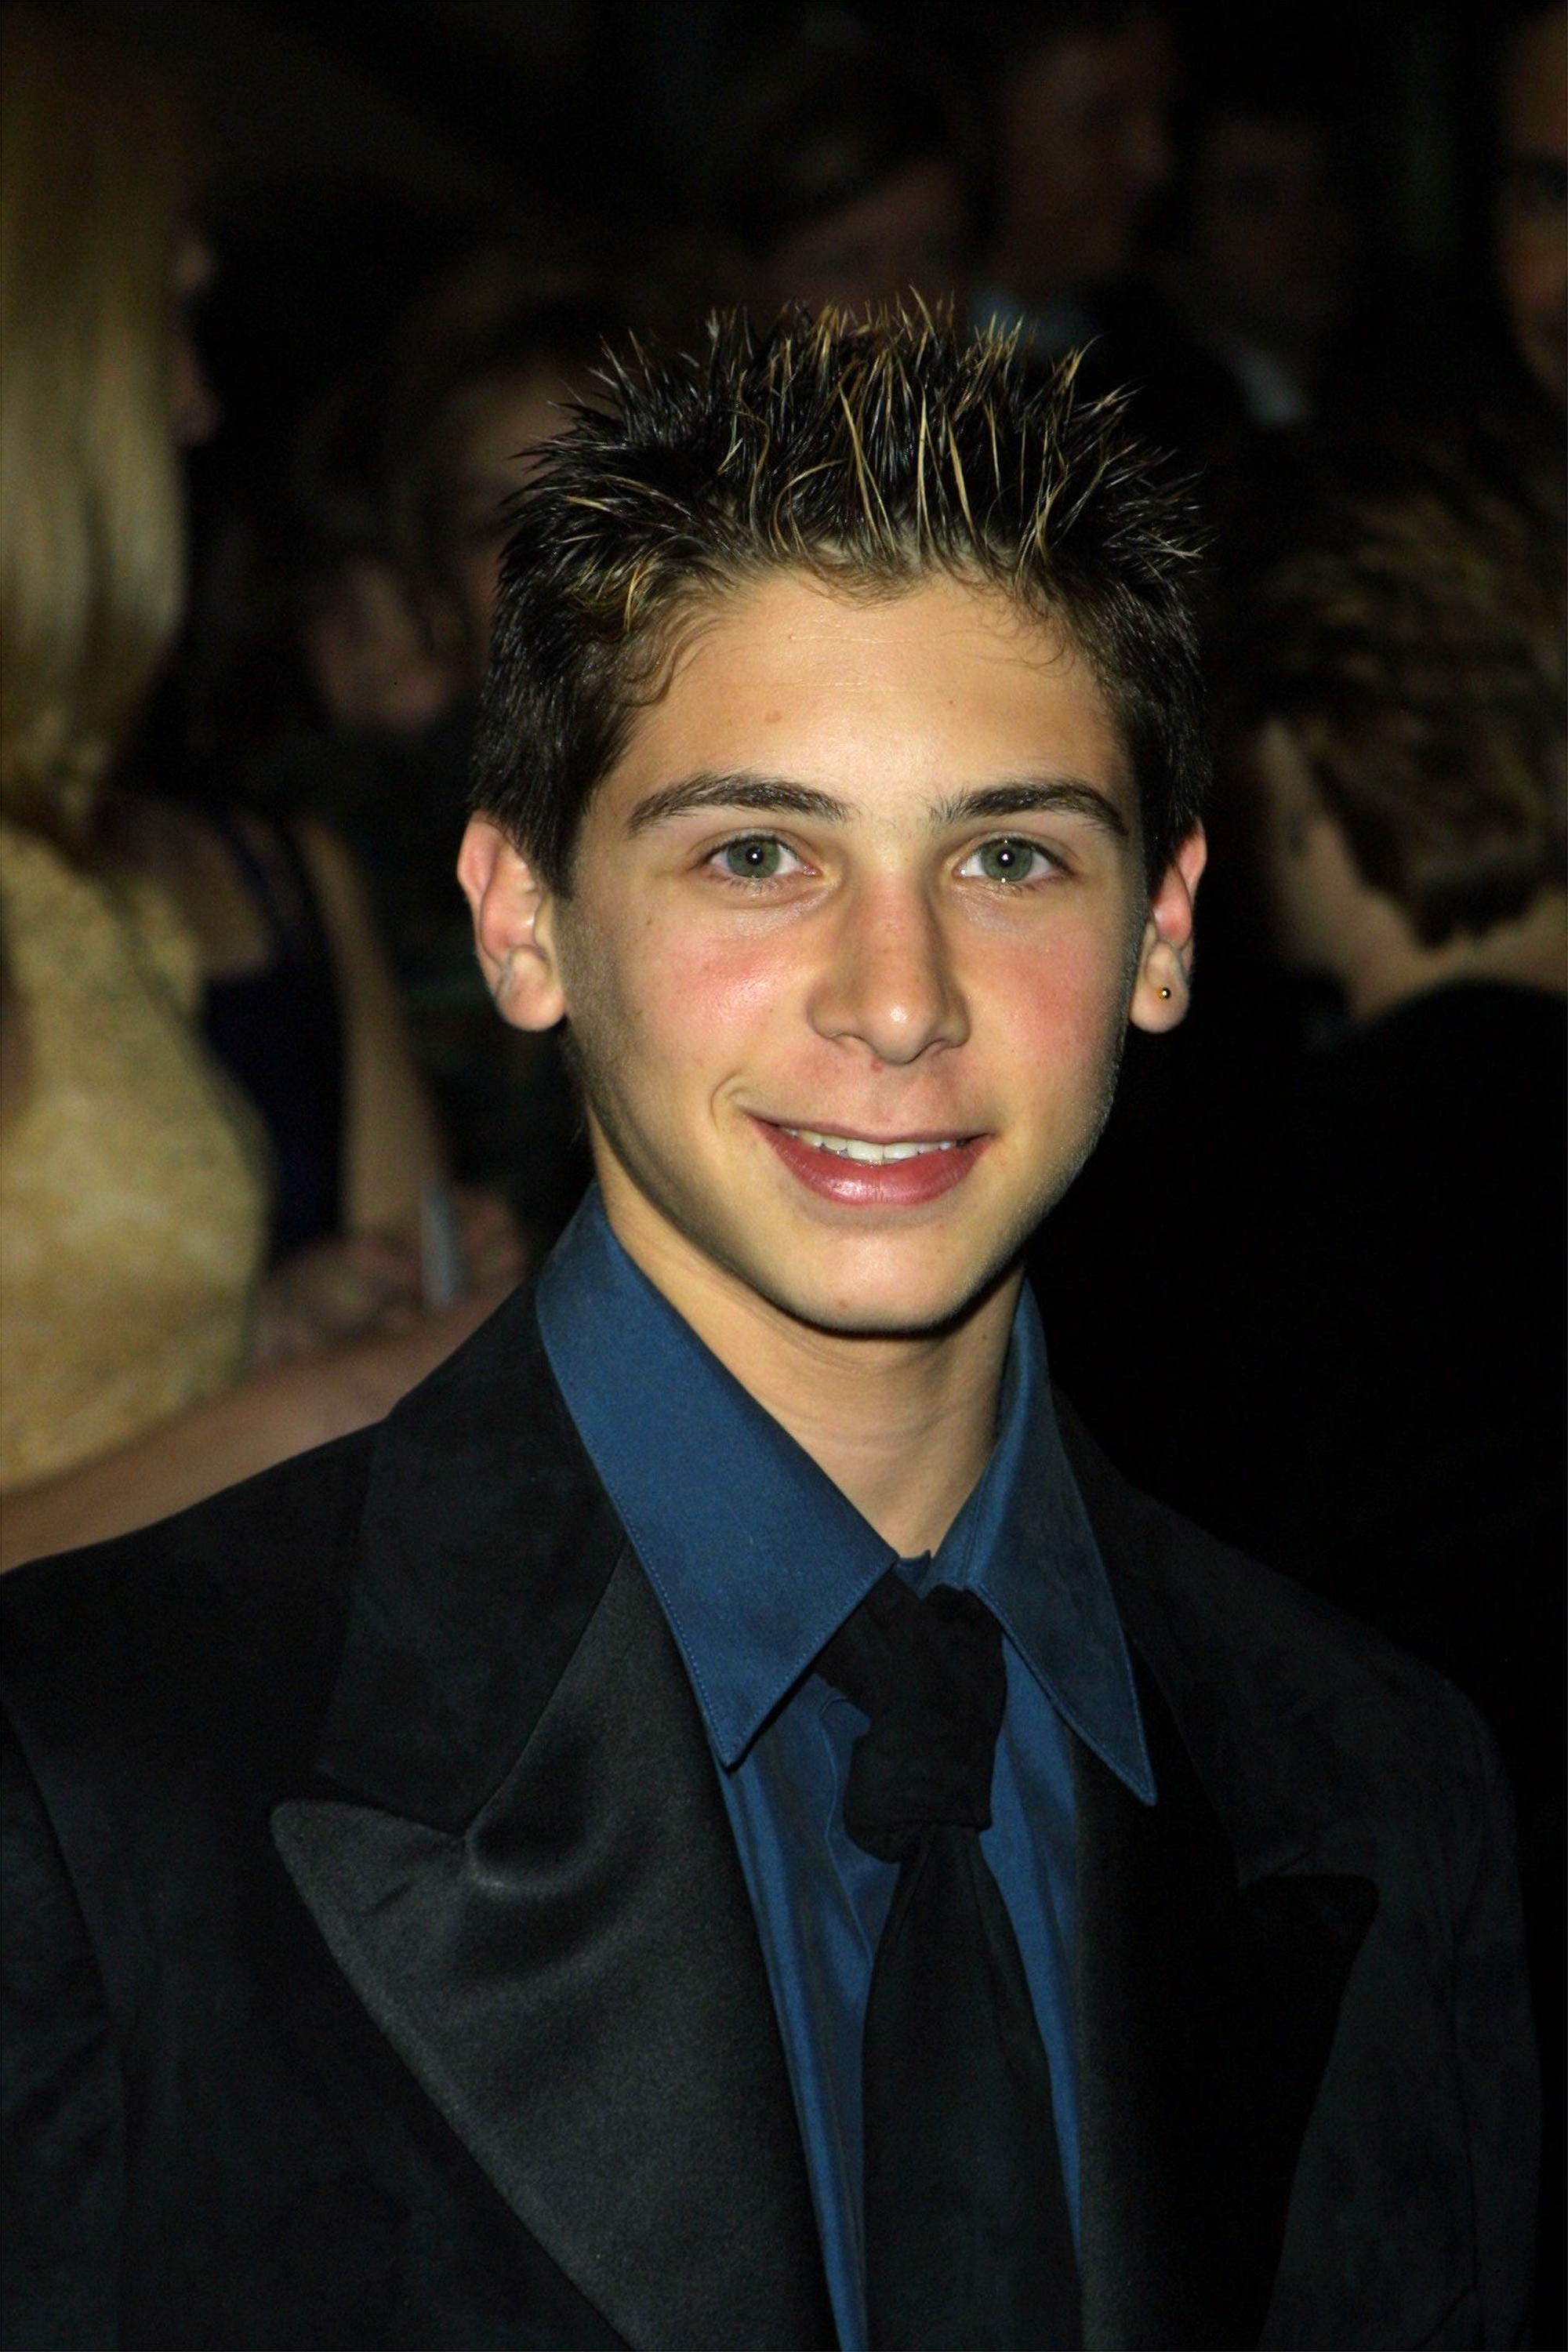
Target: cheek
[693,995]
[1057,1009]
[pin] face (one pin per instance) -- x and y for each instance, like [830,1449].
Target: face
[495,435]
[369,656]
[1085,142]
[856,926]
[910,232]
[1532,212]
[1270,233]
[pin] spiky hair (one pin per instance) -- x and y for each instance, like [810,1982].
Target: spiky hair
[869,453]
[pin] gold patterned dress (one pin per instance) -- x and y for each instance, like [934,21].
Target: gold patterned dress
[132,1186]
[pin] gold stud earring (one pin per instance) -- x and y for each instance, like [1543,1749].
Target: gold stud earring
[1164,991]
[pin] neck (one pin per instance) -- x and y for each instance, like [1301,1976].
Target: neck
[901,1423]
[1385,966]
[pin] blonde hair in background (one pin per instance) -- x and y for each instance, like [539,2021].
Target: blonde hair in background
[94,177]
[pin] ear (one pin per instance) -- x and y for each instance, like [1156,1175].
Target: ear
[1162,986]
[514,917]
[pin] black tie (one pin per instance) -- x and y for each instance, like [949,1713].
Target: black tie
[968,2244]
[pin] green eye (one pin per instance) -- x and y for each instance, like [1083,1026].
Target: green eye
[1006,861]
[755,859]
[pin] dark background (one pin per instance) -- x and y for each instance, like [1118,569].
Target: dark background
[345,142]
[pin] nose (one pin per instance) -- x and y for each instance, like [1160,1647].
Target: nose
[889,985]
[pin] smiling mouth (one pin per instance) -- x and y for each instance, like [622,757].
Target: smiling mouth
[863,1173]
[870,1154]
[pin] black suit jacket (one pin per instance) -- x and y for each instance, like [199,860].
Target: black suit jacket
[381,1973]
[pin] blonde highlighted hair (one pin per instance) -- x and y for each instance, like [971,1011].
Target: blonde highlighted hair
[871,453]
[94,176]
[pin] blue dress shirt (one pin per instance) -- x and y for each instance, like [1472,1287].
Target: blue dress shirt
[757,1558]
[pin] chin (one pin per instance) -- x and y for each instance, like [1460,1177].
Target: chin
[877,1313]
[908,1292]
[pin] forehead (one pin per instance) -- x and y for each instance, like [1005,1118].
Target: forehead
[941,684]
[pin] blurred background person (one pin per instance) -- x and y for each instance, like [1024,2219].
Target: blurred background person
[841,173]
[1082,102]
[149,1355]
[339,636]
[1397,647]
[1082,110]
[475,375]
[1260,263]
[1532,193]
[399,486]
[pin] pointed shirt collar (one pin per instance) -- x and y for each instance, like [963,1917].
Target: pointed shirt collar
[757,1557]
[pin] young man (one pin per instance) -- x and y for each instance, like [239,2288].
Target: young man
[724,1822]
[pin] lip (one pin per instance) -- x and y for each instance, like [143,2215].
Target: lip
[857,1184]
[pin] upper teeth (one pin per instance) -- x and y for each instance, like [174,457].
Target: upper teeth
[850,1146]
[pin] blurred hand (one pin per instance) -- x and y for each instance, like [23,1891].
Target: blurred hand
[353,1385]
[358,1285]
[334,1291]
[494,1247]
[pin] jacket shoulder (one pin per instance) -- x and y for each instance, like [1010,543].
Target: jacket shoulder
[230,1612]
[1280,1696]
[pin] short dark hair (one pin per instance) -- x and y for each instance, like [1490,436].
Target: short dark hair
[871,453]
[1397,601]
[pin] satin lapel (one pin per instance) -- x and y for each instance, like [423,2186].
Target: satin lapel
[515,1846]
[577,1984]
[1207,2012]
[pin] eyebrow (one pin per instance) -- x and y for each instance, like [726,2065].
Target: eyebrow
[1036,797]
[771,795]
[778,796]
